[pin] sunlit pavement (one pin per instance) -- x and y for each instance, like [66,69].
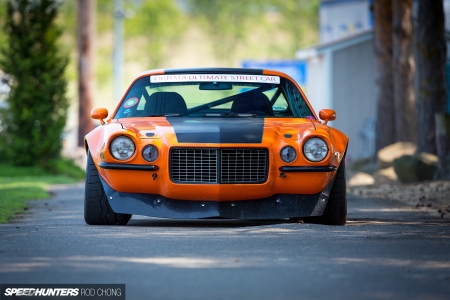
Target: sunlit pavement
[386,251]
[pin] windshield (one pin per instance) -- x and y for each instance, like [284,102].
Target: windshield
[198,95]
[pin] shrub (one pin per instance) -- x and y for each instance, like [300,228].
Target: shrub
[37,105]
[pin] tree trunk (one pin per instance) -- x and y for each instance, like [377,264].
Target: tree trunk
[431,56]
[403,66]
[385,134]
[86,79]
[443,144]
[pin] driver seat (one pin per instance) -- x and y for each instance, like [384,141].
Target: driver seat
[252,103]
[162,103]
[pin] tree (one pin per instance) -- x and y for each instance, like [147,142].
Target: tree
[431,55]
[226,23]
[37,102]
[385,128]
[155,28]
[257,28]
[403,67]
[86,78]
[300,20]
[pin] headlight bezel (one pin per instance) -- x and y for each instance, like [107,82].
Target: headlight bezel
[144,154]
[308,155]
[294,151]
[117,155]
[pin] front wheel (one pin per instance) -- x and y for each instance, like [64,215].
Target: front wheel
[336,211]
[97,210]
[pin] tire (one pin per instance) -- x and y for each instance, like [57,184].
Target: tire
[97,210]
[336,211]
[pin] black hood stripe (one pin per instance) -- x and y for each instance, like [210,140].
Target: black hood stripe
[218,130]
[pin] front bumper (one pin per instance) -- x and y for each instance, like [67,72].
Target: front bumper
[279,206]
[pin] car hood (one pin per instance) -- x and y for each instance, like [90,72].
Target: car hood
[222,130]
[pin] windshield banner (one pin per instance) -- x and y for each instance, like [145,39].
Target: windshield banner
[214,77]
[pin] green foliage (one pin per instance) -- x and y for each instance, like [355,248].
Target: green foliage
[37,103]
[300,20]
[15,191]
[165,33]
[13,200]
[67,167]
[67,21]
[61,167]
[228,23]
[2,18]
[154,27]
[10,171]
[105,16]
[281,26]
[19,184]
[104,43]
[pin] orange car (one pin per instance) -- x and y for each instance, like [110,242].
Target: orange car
[215,143]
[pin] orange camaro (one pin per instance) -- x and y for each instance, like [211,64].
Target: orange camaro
[215,143]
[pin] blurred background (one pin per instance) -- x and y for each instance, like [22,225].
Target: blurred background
[330,47]
[152,34]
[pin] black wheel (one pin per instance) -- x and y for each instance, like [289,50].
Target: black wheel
[336,211]
[97,210]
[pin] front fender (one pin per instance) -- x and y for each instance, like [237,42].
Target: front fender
[95,141]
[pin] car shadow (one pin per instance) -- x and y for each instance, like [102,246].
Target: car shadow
[231,223]
[430,221]
[212,223]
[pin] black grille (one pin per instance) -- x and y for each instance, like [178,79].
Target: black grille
[243,165]
[194,165]
[218,165]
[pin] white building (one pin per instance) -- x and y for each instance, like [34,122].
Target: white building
[342,18]
[341,70]
[341,76]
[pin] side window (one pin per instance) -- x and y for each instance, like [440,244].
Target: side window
[141,104]
[299,106]
[281,104]
[139,110]
[132,105]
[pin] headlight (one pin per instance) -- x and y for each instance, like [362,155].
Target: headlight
[315,149]
[150,153]
[288,154]
[122,148]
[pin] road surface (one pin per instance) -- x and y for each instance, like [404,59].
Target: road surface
[386,251]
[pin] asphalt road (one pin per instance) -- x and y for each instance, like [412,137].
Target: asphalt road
[387,251]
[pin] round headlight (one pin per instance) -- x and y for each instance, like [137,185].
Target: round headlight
[315,149]
[122,148]
[150,153]
[288,154]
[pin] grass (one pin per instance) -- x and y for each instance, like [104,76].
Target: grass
[18,185]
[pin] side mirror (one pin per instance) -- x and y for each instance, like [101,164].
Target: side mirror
[99,113]
[327,115]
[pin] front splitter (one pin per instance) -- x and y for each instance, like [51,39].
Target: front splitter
[280,206]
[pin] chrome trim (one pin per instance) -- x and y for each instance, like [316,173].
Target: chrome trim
[110,166]
[308,169]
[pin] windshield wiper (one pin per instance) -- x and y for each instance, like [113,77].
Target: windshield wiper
[241,115]
[165,115]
